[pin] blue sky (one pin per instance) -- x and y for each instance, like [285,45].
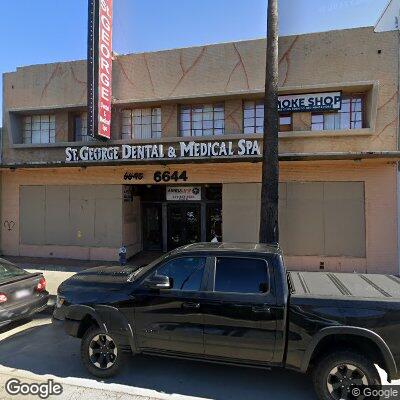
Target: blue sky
[43,31]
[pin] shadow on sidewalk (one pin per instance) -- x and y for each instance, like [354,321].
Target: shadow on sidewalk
[46,349]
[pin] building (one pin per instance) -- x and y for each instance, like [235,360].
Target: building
[183,164]
[389,18]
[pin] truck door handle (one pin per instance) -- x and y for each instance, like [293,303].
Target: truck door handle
[261,309]
[191,306]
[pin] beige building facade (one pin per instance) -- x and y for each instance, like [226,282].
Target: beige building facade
[184,161]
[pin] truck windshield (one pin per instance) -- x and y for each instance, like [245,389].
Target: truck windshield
[8,270]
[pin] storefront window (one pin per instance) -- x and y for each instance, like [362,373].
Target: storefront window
[141,123]
[214,222]
[202,120]
[39,129]
[253,118]
[213,193]
[80,129]
[350,116]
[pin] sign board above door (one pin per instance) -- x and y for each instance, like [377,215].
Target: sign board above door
[183,193]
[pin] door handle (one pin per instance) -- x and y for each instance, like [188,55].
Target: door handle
[261,309]
[191,306]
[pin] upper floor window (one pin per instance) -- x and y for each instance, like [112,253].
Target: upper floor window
[39,129]
[350,116]
[80,129]
[202,120]
[253,118]
[141,123]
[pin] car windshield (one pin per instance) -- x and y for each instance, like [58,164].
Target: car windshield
[8,270]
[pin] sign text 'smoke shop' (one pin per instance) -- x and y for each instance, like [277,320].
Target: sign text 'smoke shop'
[310,102]
[213,149]
[100,68]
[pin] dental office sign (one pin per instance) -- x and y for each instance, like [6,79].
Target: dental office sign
[99,71]
[126,152]
[183,193]
[310,102]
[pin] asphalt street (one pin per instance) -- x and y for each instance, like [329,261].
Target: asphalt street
[37,350]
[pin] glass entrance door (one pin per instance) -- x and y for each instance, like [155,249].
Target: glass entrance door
[184,225]
[152,227]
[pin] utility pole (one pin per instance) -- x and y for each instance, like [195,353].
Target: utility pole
[269,229]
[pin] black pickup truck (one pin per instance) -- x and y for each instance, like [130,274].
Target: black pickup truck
[235,303]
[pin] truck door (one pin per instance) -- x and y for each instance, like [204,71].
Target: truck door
[171,320]
[240,314]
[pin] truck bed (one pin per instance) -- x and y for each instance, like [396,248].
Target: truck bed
[349,285]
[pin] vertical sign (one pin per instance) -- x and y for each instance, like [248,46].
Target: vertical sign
[99,68]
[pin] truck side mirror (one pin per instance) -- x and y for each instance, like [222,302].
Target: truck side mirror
[158,282]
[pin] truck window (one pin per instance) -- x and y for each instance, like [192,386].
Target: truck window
[186,272]
[241,275]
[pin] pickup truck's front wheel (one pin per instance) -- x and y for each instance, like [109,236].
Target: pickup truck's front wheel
[100,353]
[340,375]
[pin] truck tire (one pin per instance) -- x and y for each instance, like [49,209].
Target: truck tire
[100,353]
[337,374]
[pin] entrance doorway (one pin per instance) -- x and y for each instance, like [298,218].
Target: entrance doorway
[152,227]
[169,224]
[184,224]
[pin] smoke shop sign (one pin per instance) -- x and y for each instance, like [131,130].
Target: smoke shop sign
[211,149]
[310,102]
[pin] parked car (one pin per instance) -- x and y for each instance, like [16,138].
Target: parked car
[235,303]
[22,294]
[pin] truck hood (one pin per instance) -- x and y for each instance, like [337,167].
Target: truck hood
[100,279]
[103,284]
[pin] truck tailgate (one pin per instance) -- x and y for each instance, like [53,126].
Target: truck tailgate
[344,285]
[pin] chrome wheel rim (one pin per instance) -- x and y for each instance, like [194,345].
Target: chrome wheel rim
[343,379]
[102,351]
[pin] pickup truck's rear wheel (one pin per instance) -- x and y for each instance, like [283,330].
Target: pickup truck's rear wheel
[100,353]
[340,375]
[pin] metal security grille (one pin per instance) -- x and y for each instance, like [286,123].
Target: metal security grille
[141,123]
[202,120]
[39,129]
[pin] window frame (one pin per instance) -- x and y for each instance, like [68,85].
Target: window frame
[286,115]
[191,121]
[89,138]
[204,279]
[51,121]
[154,134]
[269,293]
[351,97]
[254,118]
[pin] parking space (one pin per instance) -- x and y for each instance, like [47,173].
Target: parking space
[37,350]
